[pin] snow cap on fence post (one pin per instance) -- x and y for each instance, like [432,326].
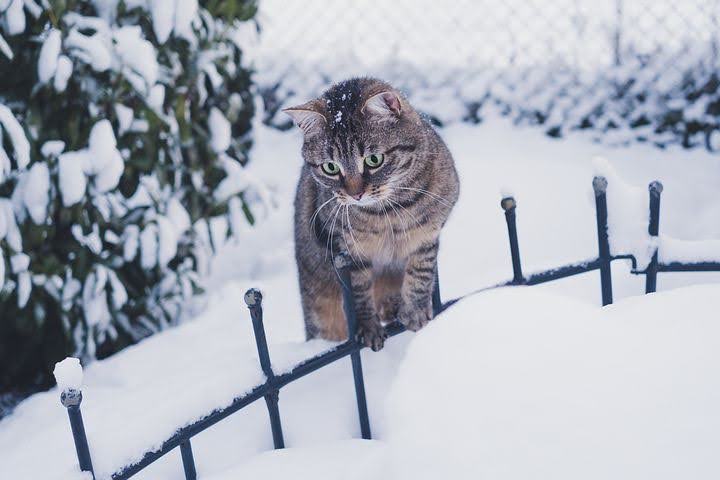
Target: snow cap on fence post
[68,375]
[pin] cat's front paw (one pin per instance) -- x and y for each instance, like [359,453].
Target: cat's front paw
[371,334]
[414,318]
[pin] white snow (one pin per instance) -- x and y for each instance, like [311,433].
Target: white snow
[178,215]
[131,240]
[9,224]
[69,374]
[344,459]
[149,246]
[20,143]
[36,192]
[185,14]
[24,288]
[101,161]
[49,53]
[163,13]
[119,294]
[15,17]
[167,240]
[52,148]
[125,117]
[219,130]
[19,262]
[137,53]
[5,48]
[156,97]
[520,384]
[687,251]
[71,177]
[91,49]
[236,181]
[63,73]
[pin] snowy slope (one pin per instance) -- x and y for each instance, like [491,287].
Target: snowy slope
[523,384]
[135,399]
[518,384]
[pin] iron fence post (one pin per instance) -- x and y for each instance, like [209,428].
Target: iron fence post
[601,214]
[343,264]
[655,188]
[253,299]
[436,299]
[71,400]
[508,204]
[188,460]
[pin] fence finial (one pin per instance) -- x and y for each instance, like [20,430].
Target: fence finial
[508,203]
[655,187]
[253,297]
[599,185]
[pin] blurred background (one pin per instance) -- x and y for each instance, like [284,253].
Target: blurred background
[627,69]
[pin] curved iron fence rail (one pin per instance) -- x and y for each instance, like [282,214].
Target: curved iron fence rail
[270,390]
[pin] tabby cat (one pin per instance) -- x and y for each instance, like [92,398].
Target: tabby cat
[378,183]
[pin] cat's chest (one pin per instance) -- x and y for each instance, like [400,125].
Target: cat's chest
[385,243]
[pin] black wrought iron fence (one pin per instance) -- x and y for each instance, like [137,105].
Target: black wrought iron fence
[270,389]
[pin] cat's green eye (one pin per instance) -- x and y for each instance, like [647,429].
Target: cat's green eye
[330,168]
[374,160]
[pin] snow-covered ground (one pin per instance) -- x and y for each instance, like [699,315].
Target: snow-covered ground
[530,382]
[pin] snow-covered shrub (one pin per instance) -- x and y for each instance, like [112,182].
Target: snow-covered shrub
[124,130]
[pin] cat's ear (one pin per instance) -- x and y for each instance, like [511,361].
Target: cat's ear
[385,105]
[307,118]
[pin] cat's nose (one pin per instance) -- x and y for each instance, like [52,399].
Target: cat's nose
[354,186]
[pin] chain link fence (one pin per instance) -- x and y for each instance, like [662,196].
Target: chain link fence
[560,63]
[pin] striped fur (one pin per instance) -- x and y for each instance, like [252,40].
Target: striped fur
[392,232]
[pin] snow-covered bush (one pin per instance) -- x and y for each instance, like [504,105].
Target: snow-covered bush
[124,130]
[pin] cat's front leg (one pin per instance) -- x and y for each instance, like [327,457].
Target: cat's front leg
[370,331]
[416,293]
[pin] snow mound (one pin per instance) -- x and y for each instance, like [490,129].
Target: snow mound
[350,459]
[519,384]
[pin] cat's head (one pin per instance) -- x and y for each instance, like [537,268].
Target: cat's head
[362,139]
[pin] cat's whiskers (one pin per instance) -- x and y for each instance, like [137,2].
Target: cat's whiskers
[402,222]
[390,227]
[314,216]
[358,249]
[328,246]
[407,212]
[426,192]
